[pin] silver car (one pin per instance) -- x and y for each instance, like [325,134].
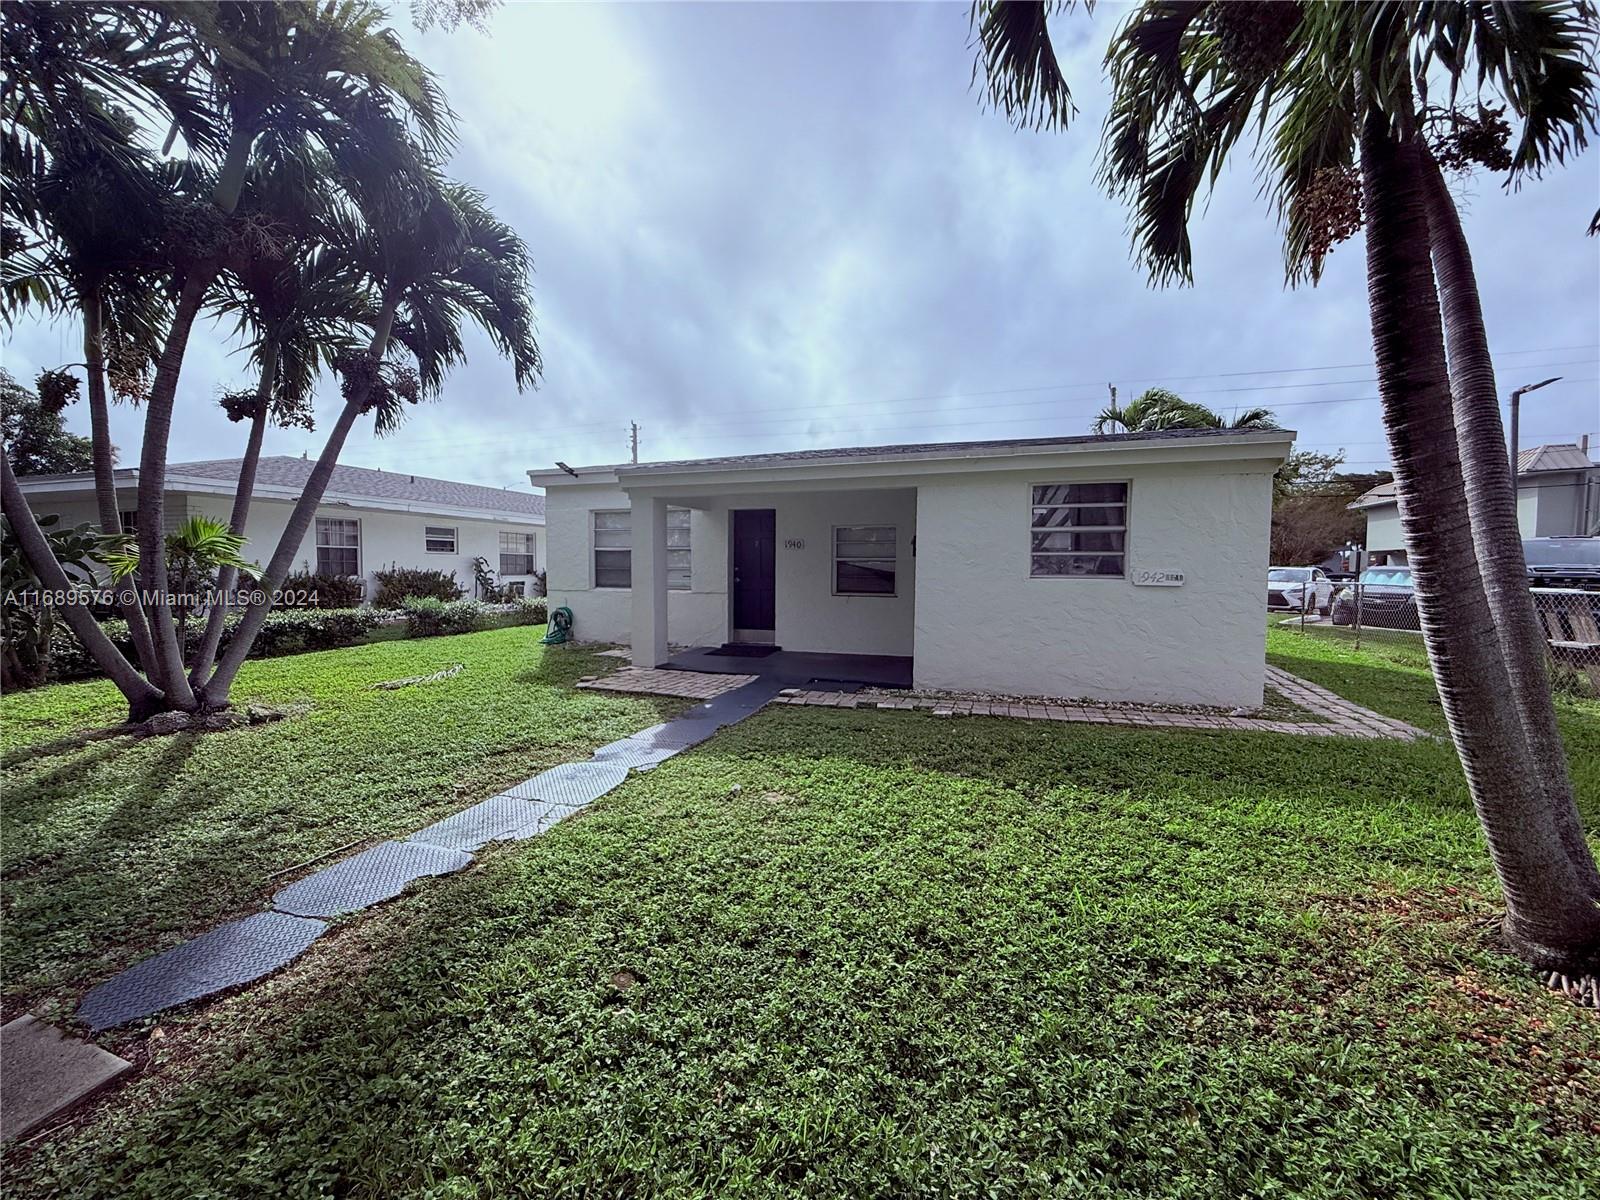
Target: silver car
[1301,589]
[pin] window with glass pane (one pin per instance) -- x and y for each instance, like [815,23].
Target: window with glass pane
[338,546]
[517,553]
[1079,529]
[863,560]
[130,521]
[439,539]
[613,549]
[678,549]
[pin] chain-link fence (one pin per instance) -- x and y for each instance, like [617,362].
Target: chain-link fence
[1386,615]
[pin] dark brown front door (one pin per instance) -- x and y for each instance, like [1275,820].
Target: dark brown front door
[754,569]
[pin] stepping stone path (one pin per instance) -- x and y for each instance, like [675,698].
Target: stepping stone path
[47,1072]
[1340,717]
[244,951]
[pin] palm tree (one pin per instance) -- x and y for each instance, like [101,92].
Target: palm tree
[231,76]
[432,261]
[1157,408]
[95,212]
[332,73]
[1332,91]
[300,309]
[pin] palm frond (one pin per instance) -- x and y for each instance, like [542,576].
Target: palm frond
[1021,74]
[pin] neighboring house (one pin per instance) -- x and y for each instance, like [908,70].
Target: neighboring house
[1558,495]
[367,520]
[1105,567]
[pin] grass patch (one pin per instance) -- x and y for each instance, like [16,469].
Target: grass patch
[119,846]
[854,953]
[1390,675]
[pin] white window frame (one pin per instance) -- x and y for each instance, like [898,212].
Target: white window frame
[894,561]
[318,546]
[501,551]
[438,533]
[1124,529]
[686,571]
[596,550]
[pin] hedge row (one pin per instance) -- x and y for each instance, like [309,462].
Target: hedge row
[295,630]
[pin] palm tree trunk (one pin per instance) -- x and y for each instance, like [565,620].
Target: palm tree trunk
[105,480]
[216,690]
[143,699]
[1550,920]
[1492,503]
[168,667]
[217,616]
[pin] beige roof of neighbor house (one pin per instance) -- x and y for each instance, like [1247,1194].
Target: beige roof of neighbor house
[1558,456]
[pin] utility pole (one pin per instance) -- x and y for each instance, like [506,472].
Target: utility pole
[1516,402]
[633,439]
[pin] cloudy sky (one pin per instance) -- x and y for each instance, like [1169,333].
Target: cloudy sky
[772,226]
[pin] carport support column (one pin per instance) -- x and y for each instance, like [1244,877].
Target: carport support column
[649,581]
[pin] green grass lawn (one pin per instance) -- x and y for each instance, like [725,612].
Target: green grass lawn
[864,953]
[119,846]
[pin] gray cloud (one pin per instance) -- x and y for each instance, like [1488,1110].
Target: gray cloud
[768,226]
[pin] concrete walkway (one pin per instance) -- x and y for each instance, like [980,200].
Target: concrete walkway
[246,950]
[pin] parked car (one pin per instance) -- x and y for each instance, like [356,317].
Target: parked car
[1563,562]
[1387,597]
[1299,588]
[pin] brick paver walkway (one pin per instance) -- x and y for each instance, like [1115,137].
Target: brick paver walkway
[691,685]
[1341,717]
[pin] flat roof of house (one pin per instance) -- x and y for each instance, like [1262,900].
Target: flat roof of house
[1557,456]
[281,476]
[987,448]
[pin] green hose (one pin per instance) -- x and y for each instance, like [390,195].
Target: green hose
[560,627]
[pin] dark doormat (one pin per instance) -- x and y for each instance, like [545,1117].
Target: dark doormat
[744,650]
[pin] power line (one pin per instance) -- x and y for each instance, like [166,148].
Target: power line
[714,429]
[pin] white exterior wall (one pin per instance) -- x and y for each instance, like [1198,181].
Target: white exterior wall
[1384,533]
[1548,505]
[698,617]
[1552,506]
[387,537]
[982,623]
[809,617]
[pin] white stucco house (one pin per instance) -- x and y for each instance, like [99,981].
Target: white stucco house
[1558,495]
[368,519]
[1115,567]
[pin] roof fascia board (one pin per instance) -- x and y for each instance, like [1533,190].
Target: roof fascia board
[1267,454]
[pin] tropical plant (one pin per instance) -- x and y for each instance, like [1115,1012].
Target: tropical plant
[484,581]
[1157,409]
[1336,97]
[27,612]
[309,139]
[196,551]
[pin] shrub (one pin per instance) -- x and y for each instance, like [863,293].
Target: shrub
[398,583]
[525,611]
[331,591]
[286,631]
[428,616]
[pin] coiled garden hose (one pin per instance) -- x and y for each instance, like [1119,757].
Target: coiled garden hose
[560,627]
